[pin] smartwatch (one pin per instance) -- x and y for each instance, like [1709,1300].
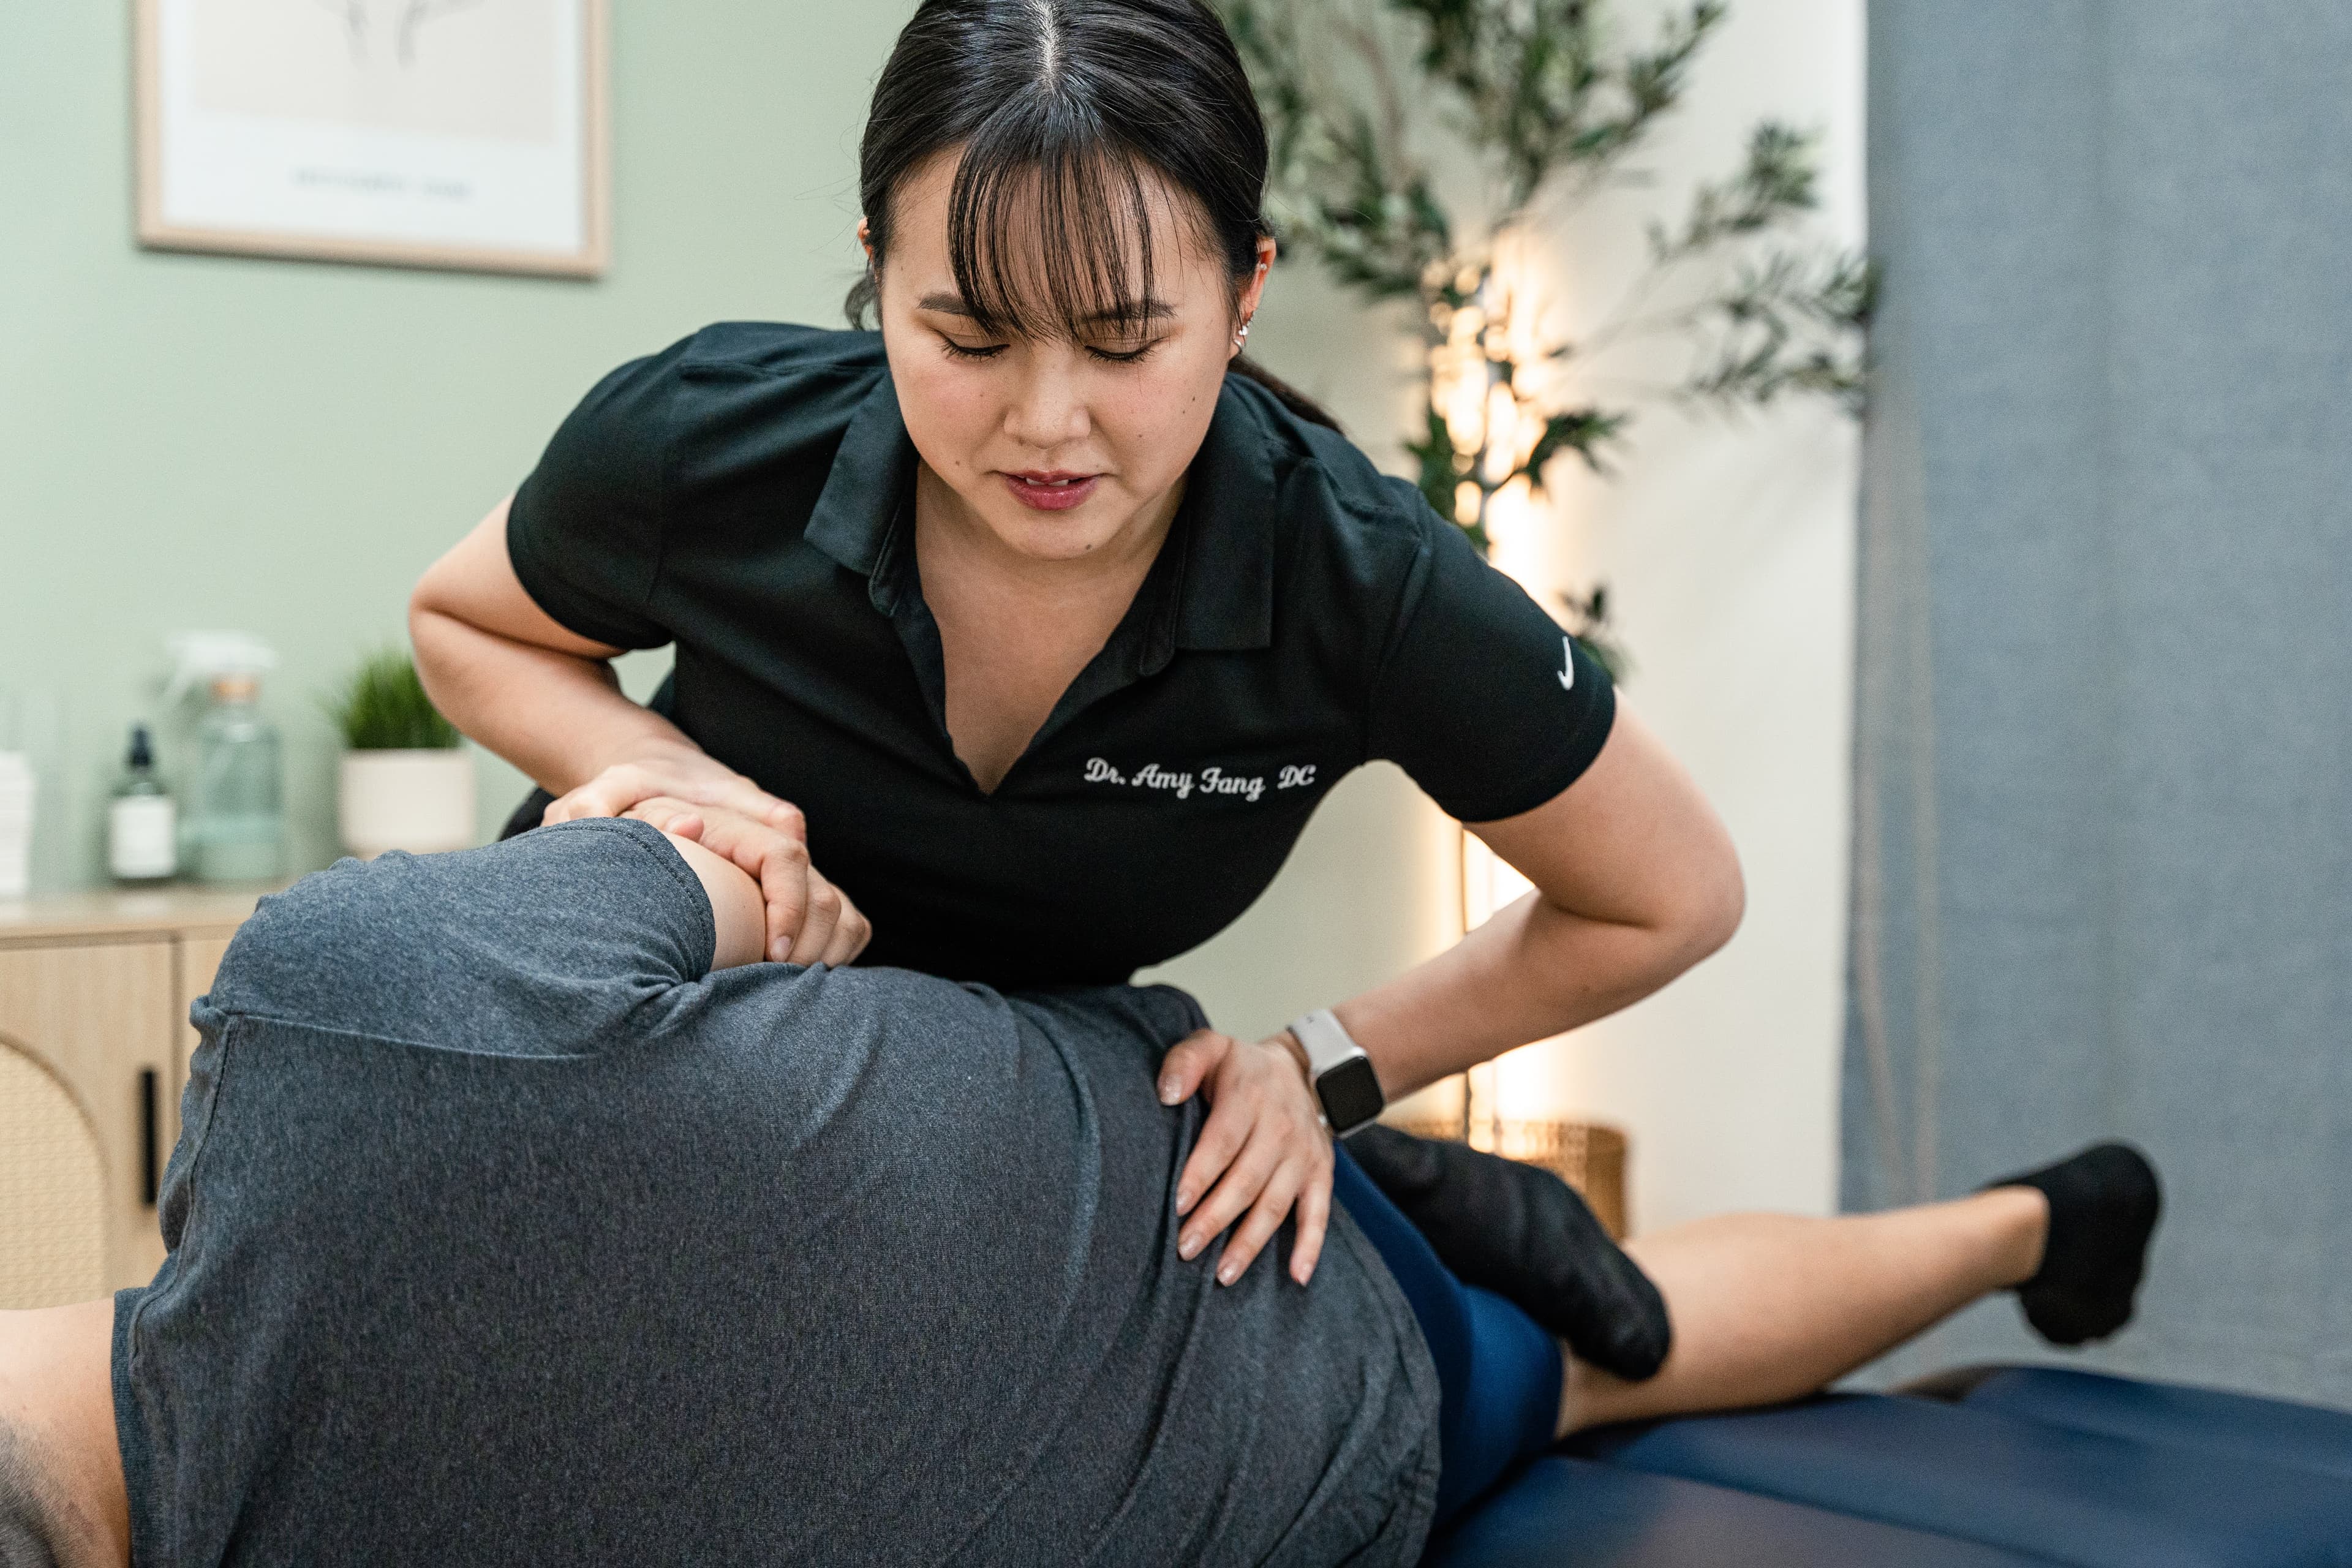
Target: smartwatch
[1342,1075]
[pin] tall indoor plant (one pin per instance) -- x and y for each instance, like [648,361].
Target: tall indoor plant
[1527,107]
[1420,148]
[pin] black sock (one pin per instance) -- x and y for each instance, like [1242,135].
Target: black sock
[2103,1204]
[1521,1232]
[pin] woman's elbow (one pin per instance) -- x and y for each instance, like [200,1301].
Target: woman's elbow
[430,636]
[422,615]
[1710,913]
[1704,911]
[429,607]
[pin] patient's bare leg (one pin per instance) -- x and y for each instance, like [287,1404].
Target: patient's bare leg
[1771,1306]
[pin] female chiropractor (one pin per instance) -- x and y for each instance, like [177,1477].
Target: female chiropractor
[1044,621]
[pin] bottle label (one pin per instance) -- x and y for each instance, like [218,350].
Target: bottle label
[142,838]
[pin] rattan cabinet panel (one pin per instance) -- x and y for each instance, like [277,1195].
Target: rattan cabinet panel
[99,1016]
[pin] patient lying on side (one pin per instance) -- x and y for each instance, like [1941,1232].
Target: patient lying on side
[512,1221]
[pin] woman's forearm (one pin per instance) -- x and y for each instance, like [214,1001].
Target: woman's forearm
[1636,880]
[543,697]
[559,717]
[1532,971]
[506,673]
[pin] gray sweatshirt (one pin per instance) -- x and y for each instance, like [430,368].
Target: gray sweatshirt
[503,1231]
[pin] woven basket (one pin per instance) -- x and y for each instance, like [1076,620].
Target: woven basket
[1587,1155]
[52,1190]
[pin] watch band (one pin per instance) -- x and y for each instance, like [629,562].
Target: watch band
[1325,1041]
[1345,1085]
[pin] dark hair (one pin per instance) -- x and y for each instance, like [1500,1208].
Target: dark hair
[36,1520]
[1058,106]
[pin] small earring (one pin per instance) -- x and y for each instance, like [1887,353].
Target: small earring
[1242,337]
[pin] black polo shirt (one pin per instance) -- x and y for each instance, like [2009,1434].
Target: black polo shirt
[747,496]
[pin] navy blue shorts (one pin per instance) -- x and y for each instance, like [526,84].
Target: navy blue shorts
[1497,1372]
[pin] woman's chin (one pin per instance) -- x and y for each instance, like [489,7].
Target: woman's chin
[1070,535]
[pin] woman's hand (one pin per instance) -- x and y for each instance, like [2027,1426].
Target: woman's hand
[680,773]
[1263,1148]
[810,921]
[808,918]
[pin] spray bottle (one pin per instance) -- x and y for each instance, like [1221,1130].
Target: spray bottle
[236,816]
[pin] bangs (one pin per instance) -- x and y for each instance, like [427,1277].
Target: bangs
[1049,224]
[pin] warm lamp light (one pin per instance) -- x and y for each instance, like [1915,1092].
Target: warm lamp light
[1479,353]
[1489,885]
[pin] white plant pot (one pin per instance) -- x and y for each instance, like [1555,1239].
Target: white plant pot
[422,802]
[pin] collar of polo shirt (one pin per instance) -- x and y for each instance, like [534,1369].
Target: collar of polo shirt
[1221,598]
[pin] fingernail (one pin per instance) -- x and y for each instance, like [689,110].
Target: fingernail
[1187,1248]
[1227,1274]
[1184,1202]
[1168,1092]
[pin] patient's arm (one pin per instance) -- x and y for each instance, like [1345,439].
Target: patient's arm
[562,941]
[717,841]
[737,910]
[832,930]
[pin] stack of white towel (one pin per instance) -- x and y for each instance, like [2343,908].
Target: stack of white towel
[15,823]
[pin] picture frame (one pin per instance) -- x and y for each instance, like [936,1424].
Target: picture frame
[464,134]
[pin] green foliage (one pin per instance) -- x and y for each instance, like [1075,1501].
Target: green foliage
[1537,87]
[1542,98]
[1587,622]
[1583,431]
[382,708]
[1334,174]
[1441,470]
[1776,315]
[1775,184]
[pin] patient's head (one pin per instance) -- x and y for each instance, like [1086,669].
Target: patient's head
[62,1494]
[39,1525]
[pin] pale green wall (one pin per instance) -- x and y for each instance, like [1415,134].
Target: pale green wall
[192,441]
[282,446]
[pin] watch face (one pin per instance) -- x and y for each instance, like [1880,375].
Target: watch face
[1350,1093]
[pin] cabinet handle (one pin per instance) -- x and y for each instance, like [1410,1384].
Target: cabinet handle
[147,1137]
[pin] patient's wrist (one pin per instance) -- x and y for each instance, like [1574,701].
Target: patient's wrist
[739,916]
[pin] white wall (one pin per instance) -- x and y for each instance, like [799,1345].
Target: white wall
[1728,546]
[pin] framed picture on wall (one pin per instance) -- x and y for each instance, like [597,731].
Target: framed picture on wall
[455,133]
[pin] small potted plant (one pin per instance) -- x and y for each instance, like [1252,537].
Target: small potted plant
[406,783]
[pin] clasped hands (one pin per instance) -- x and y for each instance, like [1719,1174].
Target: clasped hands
[810,921]
[1263,1150]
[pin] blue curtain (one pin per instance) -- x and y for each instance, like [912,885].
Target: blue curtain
[2103,877]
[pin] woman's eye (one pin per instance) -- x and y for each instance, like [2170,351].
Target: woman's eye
[1123,355]
[972,350]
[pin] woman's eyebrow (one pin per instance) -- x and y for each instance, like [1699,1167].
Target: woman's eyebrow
[953,305]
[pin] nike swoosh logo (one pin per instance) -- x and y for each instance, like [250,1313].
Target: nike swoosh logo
[1567,663]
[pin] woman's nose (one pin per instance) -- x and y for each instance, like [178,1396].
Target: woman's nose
[1049,406]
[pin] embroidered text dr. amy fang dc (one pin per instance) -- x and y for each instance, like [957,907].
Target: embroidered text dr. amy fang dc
[1210,780]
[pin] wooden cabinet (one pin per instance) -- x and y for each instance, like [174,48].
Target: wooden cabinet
[95,990]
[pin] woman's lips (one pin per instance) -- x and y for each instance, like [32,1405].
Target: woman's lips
[1051,492]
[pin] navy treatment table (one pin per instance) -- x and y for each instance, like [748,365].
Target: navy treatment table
[1990,1467]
